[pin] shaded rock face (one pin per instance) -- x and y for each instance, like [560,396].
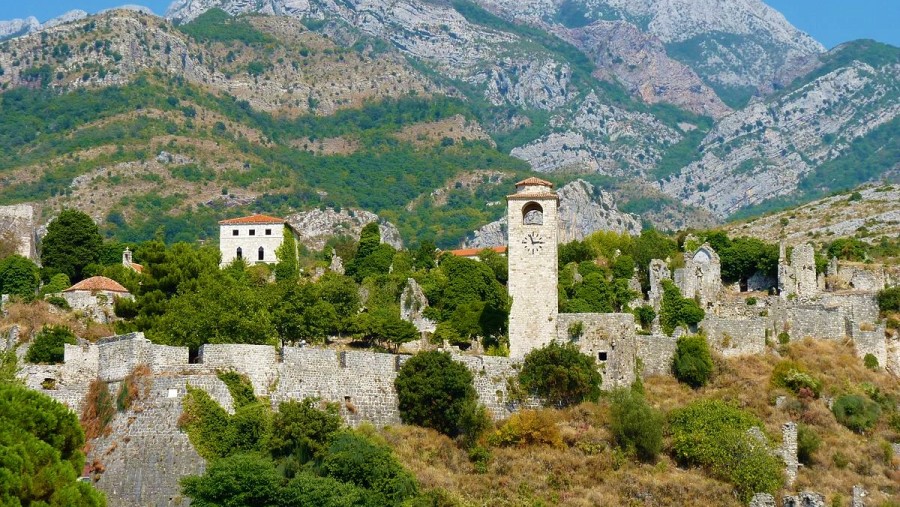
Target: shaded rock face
[17,225]
[583,210]
[412,307]
[315,227]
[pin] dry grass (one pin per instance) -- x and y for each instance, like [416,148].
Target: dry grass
[587,469]
[31,317]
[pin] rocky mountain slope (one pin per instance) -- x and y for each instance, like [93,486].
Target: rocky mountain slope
[301,106]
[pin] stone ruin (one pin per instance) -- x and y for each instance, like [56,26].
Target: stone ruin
[797,279]
[701,276]
[17,224]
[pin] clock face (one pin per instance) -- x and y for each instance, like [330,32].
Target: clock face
[533,242]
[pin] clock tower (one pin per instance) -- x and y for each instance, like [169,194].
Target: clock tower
[532,239]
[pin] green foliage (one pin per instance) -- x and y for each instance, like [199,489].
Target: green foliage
[309,489]
[676,310]
[72,242]
[870,362]
[352,458]
[19,277]
[49,345]
[792,376]
[560,375]
[808,442]
[40,452]
[575,251]
[58,283]
[434,391]
[741,258]
[372,256]
[712,434]
[849,249]
[635,425]
[784,338]
[9,366]
[235,481]
[644,315]
[302,431]
[239,387]
[288,267]
[889,299]
[856,412]
[467,294]
[216,25]
[383,326]
[692,363]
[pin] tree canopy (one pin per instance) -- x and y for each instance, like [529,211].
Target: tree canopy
[73,241]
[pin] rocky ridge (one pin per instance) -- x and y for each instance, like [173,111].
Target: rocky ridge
[583,210]
[316,226]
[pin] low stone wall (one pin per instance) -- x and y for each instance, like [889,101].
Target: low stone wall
[656,353]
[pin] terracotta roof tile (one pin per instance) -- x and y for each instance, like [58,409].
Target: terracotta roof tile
[253,219]
[471,252]
[97,283]
[534,181]
[137,267]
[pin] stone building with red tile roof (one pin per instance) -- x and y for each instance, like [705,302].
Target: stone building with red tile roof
[95,297]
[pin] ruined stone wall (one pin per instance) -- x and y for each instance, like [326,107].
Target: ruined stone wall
[736,337]
[870,340]
[258,362]
[18,221]
[655,353]
[856,276]
[609,339]
[97,305]
[809,321]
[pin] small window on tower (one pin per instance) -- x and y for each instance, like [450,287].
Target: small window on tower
[268,232]
[601,356]
[532,214]
[253,232]
[234,232]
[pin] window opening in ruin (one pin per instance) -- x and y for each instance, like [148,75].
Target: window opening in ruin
[194,355]
[268,232]
[261,253]
[346,399]
[234,232]
[532,214]
[601,356]
[253,232]
[240,253]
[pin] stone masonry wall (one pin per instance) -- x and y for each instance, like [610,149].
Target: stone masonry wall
[609,335]
[258,362]
[735,337]
[656,353]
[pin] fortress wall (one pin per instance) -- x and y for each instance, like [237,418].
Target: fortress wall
[861,307]
[258,362]
[655,353]
[871,341]
[491,380]
[816,322]
[736,337]
[118,355]
[611,334]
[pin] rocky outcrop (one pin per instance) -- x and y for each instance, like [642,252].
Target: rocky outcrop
[316,226]
[583,210]
[17,27]
[766,149]
[17,229]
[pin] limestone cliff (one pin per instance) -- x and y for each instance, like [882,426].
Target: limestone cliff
[315,227]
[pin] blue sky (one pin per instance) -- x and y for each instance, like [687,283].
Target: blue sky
[829,21]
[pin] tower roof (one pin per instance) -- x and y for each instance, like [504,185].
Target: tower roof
[532,181]
[98,283]
[253,219]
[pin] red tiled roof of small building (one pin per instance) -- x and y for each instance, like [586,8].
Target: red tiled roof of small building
[253,219]
[96,283]
[534,181]
[471,252]
[137,267]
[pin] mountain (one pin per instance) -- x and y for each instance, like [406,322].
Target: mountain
[425,112]
[17,27]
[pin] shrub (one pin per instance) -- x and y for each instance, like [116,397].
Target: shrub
[808,443]
[676,310]
[871,362]
[434,391]
[645,315]
[889,299]
[528,428]
[97,411]
[355,459]
[751,301]
[19,277]
[49,345]
[792,376]
[239,387]
[59,302]
[242,479]
[692,363]
[636,426]
[560,375]
[784,338]
[855,412]
[302,430]
[712,434]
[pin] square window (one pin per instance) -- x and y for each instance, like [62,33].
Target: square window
[268,232]
[234,232]
[253,232]
[601,356]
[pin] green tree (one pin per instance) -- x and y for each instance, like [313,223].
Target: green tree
[72,242]
[58,283]
[352,458]
[383,326]
[308,489]
[635,425]
[692,363]
[49,345]
[288,267]
[849,249]
[302,430]
[560,375]
[435,391]
[743,257]
[676,310]
[235,481]
[19,276]
[889,300]
[40,452]
[856,412]
[372,256]
[425,256]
